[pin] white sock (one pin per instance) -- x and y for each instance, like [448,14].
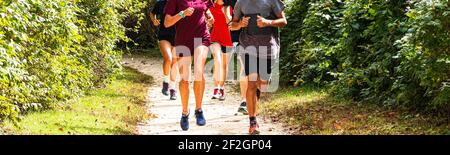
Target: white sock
[166,78]
[172,85]
[218,87]
[221,87]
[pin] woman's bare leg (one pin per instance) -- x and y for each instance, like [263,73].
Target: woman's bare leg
[166,50]
[200,56]
[174,67]
[251,94]
[243,85]
[216,53]
[223,69]
[184,64]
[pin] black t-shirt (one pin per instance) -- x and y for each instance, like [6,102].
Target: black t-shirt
[231,3]
[158,10]
[234,34]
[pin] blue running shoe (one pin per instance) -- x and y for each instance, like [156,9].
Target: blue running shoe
[184,123]
[200,118]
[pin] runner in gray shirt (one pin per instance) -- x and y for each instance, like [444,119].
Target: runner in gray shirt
[259,45]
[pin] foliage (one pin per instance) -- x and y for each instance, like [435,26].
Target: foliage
[319,36]
[57,49]
[387,52]
[143,34]
[425,55]
[113,110]
[296,11]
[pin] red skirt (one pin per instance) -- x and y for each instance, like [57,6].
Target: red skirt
[220,32]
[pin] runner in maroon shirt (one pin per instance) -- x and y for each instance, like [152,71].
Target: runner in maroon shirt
[191,18]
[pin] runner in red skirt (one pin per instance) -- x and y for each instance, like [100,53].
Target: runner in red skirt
[221,39]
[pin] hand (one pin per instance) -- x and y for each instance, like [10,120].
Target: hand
[229,18]
[210,20]
[189,11]
[244,22]
[262,22]
[156,22]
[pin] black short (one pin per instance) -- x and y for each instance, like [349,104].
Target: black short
[169,38]
[225,49]
[235,35]
[262,66]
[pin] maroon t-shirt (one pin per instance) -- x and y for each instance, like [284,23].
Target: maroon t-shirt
[190,27]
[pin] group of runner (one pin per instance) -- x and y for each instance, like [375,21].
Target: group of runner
[189,29]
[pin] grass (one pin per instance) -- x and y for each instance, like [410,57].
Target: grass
[113,110]
[310,110]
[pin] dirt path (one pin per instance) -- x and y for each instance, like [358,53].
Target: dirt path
[221,116]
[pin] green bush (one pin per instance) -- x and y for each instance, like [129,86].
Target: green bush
[56,49]
[366,48]
[290,40]
[387,52]
[425,55]
[319,37]
[142,31]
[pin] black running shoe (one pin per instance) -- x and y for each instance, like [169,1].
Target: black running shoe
[173,94]
[254,128]
[243,108]
[165,89]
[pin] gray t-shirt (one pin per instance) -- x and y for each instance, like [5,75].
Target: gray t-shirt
[262,46]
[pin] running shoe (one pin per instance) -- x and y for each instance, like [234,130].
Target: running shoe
[165,89]
[222,95]
[173,94]
[184,123]
[243,108]
[254,128]
[216,94]
[200,118]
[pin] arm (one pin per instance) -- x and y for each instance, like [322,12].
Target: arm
[278,8]
[209,18]
[156,10]
[228,13]
[155,21]
[237,25]
[280,22]
[172,20]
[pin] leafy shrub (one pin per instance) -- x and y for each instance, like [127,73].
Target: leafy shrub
[425,55]
[290,40]
[366,48]
[387,52]
[319,37]
[142,32]
[57,49]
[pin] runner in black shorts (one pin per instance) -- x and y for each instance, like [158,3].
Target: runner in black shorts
[259,46]
[242,77]
[166,37]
